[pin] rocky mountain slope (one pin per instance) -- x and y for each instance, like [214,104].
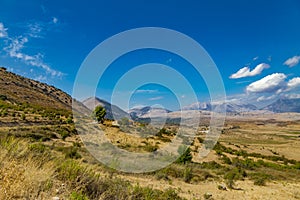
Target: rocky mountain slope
[284,105]
[19,90]
[148,112]
[112,111]
[228,107]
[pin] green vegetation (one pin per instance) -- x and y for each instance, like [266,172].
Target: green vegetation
[3,97]
[185,153]
[99,113]
[83,181]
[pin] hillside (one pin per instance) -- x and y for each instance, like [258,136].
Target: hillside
[19,90]
[112,111]
[42,156]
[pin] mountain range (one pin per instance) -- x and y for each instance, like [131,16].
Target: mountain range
[19,90]
[279,106]
[284,105]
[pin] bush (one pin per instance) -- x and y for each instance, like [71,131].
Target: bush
[78,196]
[72,153]
[64,134]
[37,147]
[23,117]
[185,153]
[69,120]
[226,160]
[187,174]
[260,178]
[260,181]
[99,113]
[150,148]
[233,175]
[3,97]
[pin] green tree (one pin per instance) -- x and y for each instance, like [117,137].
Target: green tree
[99,113]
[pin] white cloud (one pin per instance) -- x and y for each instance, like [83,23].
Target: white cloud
[274,83]
[156,98]
[245,71]
[271,83]
[14,51]
[146,91]
[16,45]
[293,83]
[3,31]
[255,58]
[291,62]
[54,20]
[41,78]
[292,96]
[35,30]
[266,98]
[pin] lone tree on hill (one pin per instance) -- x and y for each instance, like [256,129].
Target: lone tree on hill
[99,113]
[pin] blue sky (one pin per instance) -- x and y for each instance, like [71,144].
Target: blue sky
[255,44]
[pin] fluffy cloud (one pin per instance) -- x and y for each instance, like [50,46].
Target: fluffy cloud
[245,71]
[274,83]
[3,31]
[291,62]
[293,83]
[271,83]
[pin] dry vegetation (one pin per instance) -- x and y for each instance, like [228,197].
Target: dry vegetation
[42,157]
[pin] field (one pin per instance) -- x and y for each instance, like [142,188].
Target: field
[253,159]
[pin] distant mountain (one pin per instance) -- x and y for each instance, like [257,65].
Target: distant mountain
[198,106]
[284,105]
[147,112]
[112,111]
[228,107]
[234,107]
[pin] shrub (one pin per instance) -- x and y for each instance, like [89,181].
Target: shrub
[99,113]
[260,178]
[37,147]
[64,134]
[226,160]
[78,196]
[69,120]
[187,174]
[260,181]
[233,175]
[150,148]
[72,153]
[23,117]
[3,97]
[185,153]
